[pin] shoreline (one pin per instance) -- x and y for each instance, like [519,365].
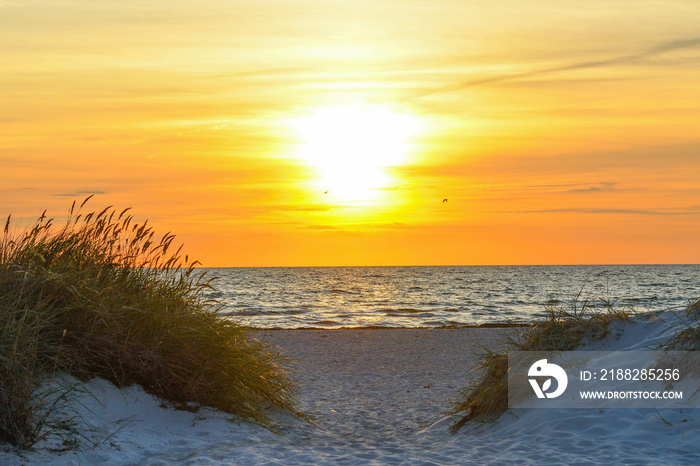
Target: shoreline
[375,327]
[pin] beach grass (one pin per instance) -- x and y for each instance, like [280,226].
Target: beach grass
[564,328]
[688,338]
[104,296]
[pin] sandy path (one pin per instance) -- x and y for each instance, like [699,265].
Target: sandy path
[370,393]
[380,383]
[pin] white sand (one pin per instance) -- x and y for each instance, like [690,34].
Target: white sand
[376,397]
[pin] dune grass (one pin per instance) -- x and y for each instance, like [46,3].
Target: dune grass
[687,339]
[563,329]
[103,296]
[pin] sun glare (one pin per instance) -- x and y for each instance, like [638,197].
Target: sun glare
[352,147]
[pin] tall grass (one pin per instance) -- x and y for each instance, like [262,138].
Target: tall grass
[103,296]
[688,338]
[563,329]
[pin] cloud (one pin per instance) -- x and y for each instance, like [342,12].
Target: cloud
[651,52]
[320,227]
[576,187]
[258,73]
[687,211]
[303,208]
[79,193]
[601,187]
[592,189]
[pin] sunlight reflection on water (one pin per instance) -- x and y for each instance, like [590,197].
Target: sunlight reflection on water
[337,297]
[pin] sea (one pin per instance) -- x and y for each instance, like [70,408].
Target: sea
[415,297]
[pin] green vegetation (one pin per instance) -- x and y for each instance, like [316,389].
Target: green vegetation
[103,296]
[687,339]
[562,330]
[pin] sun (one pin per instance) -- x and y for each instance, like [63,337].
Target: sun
[351,148]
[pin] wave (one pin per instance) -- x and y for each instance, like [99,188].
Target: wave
[326,323]
[404,310]
[339,291]
[413,314]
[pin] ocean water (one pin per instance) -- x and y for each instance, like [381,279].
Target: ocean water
[345,297]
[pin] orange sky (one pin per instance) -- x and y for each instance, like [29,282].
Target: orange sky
[560,132]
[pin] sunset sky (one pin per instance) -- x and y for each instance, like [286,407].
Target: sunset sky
[283,133]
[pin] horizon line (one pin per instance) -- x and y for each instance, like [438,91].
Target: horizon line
[445,265]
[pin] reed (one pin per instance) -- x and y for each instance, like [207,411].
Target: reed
[104,296]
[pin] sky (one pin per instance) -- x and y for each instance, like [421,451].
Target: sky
[412,132]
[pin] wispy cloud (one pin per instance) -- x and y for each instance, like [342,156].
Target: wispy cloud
[263,73]
[301,208]
[575,187]
[599,188]
[649,53]
[592,189]
[683,211]
[79,193]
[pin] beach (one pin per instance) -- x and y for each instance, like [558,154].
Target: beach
[381,383]
[379,396]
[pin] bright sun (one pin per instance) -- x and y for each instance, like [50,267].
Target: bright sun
[352,147]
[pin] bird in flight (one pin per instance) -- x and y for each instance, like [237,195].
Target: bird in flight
[444,200]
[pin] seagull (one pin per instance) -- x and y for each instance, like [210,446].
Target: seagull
[444,200]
